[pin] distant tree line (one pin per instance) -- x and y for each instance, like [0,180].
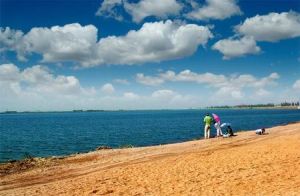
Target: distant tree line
[290,104]
[258,105]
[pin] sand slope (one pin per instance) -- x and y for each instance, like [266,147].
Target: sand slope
[244,165]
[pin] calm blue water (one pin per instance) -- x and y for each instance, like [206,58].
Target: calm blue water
[48,134]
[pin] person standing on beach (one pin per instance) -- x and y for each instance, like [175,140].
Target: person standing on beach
[217,124]
[207,121]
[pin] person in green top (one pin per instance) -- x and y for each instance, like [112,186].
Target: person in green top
[208,120]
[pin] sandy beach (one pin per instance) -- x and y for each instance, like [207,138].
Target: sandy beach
[247,164]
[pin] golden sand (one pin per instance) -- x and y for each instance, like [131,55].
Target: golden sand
[247,164]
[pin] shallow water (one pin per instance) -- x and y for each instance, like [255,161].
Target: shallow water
[49,134]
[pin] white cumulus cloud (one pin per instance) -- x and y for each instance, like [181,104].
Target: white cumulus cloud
[296,85]
[214,9]
[108,88]
[71,42]
[149,80]
[154,42]
[37,88]
[216,80]
[39,79]
[183,76]
[131,95]
[109,8]
[271,27]
[232,86]
[9,72]
[164,93]
[158,8]
[232,48]
[140,9]
[229,92]
[262,92]
[9,37]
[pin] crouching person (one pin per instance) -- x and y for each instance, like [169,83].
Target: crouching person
[261,131]
[228,130]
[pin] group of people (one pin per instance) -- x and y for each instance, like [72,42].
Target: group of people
[215,119]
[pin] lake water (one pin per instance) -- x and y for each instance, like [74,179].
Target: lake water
[52,134]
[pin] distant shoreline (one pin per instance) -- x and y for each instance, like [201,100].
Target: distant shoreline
[121,110]
[276,107]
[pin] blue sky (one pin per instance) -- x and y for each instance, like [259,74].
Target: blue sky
[147,54]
